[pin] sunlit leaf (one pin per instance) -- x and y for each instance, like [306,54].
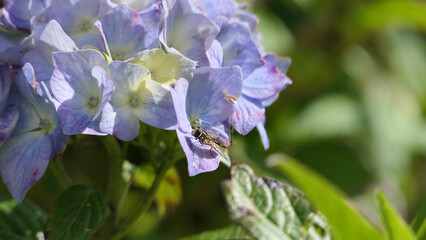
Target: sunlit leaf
[265,208]
[77,213]
[345,221]
[20,221]
[230,232]
[394,226]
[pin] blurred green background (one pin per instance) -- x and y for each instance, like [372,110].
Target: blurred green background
[356,113]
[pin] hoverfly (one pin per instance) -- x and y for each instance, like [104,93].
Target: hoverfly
[204,138]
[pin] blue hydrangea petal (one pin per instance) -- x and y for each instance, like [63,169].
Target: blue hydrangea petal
[252,22]
[51,37]
[247,115]
[137,5]
[200,158]
[263,135]
[8,119]
[41,60]
[238,48]
[152,18]
[192,40]
[282,63]
[24,160]
[120,122]
[217,8]
[179,91]
[79,93]
[21,11]
[78,19]
[215,55]
[212,93]
[265,82]
[125,32]
[149,100]
[5,83]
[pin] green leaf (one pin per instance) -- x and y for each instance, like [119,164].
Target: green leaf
[20,221]
[77,213]
[421,234]
[265,208]
[420,218]
[394,226]
[378,14]
[230,232]
[345,221]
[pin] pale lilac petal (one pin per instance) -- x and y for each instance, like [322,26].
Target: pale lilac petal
[263,135]
[125,32]
[179,91]
[78,19]
[215,55]
[152,18]
[21,11]
[41,60]
[217,8]
[23,160]
[238,48]
[200,158]
[265,82]
[212,93]
[247,115]
[157,110]
[120,122]
[191,40]
[51,37]
[148,100]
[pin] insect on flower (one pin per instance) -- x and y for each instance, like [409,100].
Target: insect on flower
[204,138]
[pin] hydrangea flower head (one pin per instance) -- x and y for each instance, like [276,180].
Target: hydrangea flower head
[206,102]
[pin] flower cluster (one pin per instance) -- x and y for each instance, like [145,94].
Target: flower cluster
[100,67]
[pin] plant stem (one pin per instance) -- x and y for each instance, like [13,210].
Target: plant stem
[61,173]
[127,224]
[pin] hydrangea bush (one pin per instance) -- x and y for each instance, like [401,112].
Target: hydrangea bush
[101,67]
[104,67]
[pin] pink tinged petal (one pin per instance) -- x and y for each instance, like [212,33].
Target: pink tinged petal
[23,160]
[8,119]
[179,91]
[247,115]
[212,94]
[200,158]
[265,82]
[238,47]
[152,18]
[263,135]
